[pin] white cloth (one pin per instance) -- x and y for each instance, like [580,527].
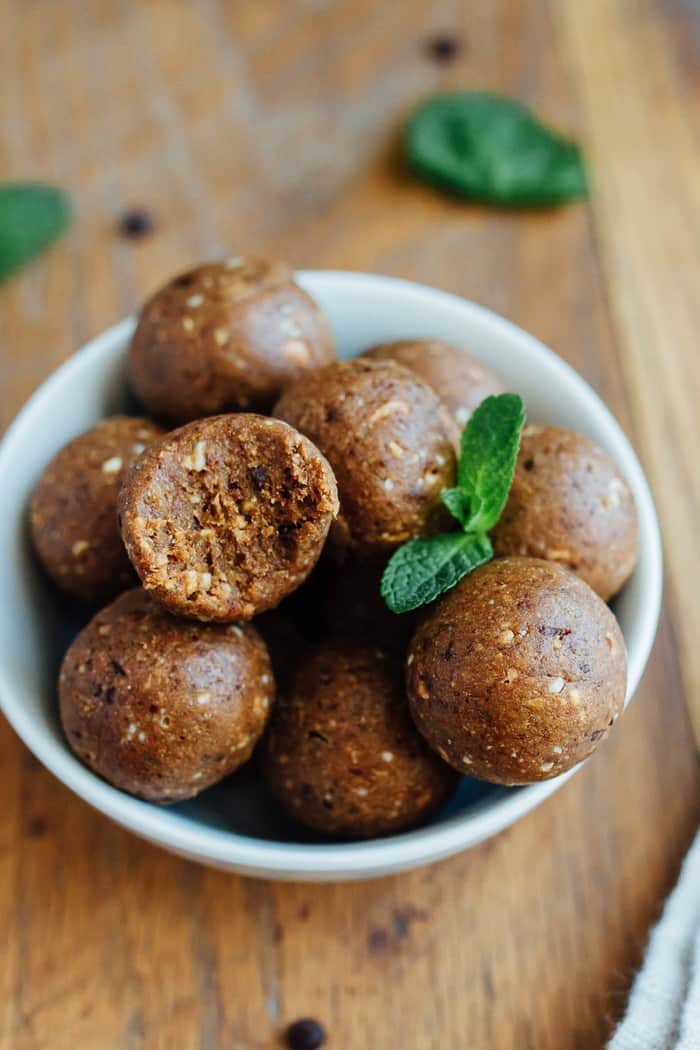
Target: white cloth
[663,1012]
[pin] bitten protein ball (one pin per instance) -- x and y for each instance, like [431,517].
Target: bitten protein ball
[570,504]
[342,754]
[460,380]
[518,672]
[226,516]
[73,510]
[386,435]
[225,337]
[160,707]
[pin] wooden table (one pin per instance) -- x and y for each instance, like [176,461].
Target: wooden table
[271,126]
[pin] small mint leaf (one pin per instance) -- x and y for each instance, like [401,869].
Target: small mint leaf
[425,568]
[489,449]
[458,505]
[489,148]
[32,216]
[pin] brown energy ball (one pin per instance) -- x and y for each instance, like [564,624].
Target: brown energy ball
[517,672]
[342,754]
[73,510]
[460,380]
[570,504]
[160,707]
[227,336]
[386,436]
[227,515]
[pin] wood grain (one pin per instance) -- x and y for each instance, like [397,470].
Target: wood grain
[272,127]
[647,211]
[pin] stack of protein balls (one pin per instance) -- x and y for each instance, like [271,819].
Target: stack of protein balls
[259,529]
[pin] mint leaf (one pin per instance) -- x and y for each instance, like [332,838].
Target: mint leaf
[458,505]
[424,568]
[492,149]
[32,216]
[489,449]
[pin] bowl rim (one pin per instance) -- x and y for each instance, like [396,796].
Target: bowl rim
[335,861]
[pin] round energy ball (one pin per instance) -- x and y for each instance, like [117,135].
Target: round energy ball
[460,380]
[73,510]
[569,503]
[342,754]
[159,707]
[226,336]
[386,435]
[517,673]
[225,516]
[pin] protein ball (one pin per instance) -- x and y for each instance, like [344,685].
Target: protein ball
[227,515]
[386,435]
[570,504]
[517,673]
[225,337]
[460,380]
[160,707]
[73,510]
[342,754]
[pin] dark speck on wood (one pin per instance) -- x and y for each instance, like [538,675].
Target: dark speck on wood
[378,941]
[443,47]
[136,223]
[37,827]
[403,919]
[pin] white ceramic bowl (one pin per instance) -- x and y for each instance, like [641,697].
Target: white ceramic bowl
[236,827]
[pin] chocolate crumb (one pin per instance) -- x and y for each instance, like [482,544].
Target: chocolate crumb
[443,47]
[136,223]
[305,1034]
[37,827]
[258,475]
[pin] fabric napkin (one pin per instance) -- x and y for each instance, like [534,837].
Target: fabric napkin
[663,1012]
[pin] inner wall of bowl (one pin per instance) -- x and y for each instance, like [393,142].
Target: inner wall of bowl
[36,625]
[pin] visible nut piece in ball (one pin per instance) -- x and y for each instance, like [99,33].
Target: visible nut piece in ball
[386,435]
[342,754]
[518,672]
[159,707]
[73,510]
[460,380]
[569,503]
[224,337]
[227,515]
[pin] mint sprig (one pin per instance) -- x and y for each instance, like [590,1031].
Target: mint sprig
[425,568]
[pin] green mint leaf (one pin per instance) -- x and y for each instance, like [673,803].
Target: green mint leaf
[492,149]
[458,505]
[489,449]
[32,216]
[424,568]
